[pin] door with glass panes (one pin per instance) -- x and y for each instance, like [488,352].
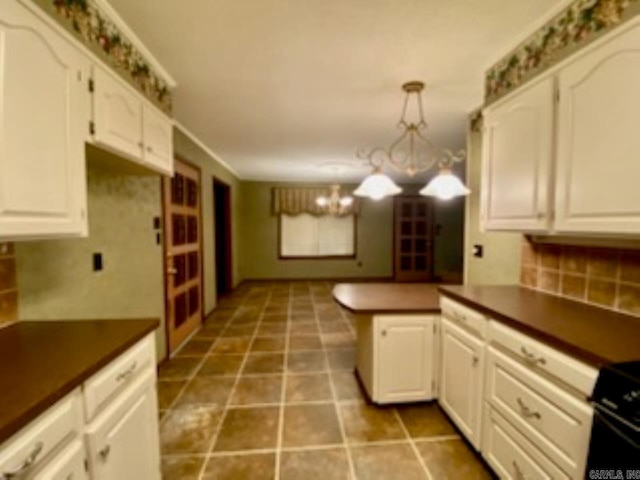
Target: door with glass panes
[183,250]
[413,239]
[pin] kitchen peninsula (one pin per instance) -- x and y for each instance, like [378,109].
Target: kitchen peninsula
[396,358]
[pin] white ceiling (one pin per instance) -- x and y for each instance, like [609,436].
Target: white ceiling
[278,88]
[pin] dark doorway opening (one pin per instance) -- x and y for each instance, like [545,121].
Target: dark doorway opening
[222,235]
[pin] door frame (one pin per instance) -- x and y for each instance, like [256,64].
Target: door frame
[394,246]
[164,252]
[228,237]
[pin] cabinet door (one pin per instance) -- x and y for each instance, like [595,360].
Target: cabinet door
[158,140]
[404,359]
[598,140]
[123,441]
[117,114]
[461,379]
[69,464]
[516,160]
[44,119]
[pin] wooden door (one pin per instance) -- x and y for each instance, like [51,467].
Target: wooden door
[44,121]
[598,142]
[516,160]
[461,379]
[183,250]
[413,239]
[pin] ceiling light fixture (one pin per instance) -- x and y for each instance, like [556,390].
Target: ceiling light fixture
[412,153]
[334,204]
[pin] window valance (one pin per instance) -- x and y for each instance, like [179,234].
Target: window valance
[294,201]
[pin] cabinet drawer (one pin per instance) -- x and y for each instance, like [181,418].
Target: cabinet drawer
[511,455]
[47,432]
[470,319]
[558,423]
[101,388]
[67,465]
[545,359]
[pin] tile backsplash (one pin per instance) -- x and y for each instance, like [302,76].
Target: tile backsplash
[607,277]
[8,285]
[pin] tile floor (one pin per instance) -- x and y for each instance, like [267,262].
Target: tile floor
[266,389]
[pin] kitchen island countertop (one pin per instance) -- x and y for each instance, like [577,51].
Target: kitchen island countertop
[385,298]
[41,362]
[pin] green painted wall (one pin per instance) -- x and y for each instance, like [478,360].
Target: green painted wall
[259,239]
[501,261]
[188,150]
[56,279]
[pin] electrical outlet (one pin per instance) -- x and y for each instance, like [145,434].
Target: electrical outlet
[478,251]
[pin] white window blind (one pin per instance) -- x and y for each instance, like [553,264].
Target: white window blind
[307,236]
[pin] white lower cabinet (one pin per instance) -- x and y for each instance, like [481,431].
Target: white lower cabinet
[461,379]
[396,357]
[123,440]
[70,464]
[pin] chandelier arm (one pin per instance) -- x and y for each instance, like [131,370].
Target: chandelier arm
[403,122]
[376,157]
[422,122]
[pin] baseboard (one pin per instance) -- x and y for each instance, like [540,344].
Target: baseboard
[318,279]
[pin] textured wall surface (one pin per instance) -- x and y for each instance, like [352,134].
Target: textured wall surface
[8,285]
[56,278]
[186,149]
[606,277]
[500,264]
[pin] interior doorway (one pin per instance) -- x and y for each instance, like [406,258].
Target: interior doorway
[413,232]
[222,236]
[183,253]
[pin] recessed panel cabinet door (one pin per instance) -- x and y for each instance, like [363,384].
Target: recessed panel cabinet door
[158,140]
[461,379]
[598,189]
[517,160]
[44,119]
[117,113]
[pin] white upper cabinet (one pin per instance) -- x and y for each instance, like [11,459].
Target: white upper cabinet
[117,115]
[517,160]
[127,125]
[158,140]
[44,115]
[599,138]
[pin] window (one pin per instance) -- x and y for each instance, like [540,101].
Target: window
[306,236]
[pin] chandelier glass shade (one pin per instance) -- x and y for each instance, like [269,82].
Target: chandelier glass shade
[411,153]
[334,204]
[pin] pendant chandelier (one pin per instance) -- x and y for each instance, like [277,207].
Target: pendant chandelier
[334,204]
[412,153]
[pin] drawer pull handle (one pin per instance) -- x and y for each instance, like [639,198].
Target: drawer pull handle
[518,471]
[460,316]
[104,453]
[527,412]
[30,460]
[531,359]
[127,373]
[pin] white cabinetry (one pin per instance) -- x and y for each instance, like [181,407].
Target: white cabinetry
[598,141]
[461,378]
[517,160]
[127,125]
[70,464]
[396,357]
[44,115]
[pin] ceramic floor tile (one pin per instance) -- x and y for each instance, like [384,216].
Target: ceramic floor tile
[241,467]
[181,468]
[306,425]
[336,341]
[196,347]
[238,331]
[452,459]
[425,420]
[303,328]
[257,363]
[168,391]
[248,429]
[207,391]
[268,344]
[178,368]
[385,462]
[189,429]
[339,326]
[347,386]
[220,364]
[342,359]
[304,342]
[306,362]
[326,464]
[256,390]
[308,388]
[366,423]
[272,329]
[232,345]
